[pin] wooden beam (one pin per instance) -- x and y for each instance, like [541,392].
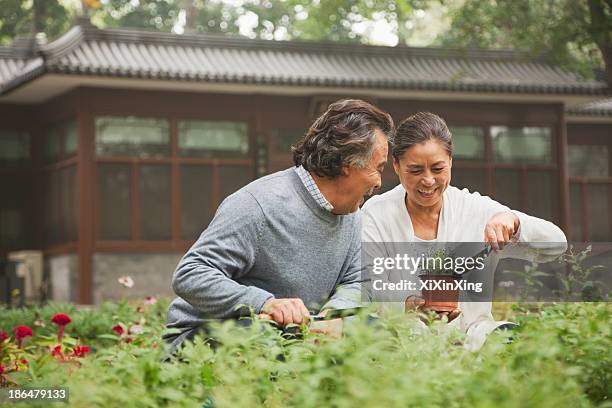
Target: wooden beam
[86,182]
[564,187]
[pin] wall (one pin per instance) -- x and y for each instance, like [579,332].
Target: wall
[63,277]
[151,272]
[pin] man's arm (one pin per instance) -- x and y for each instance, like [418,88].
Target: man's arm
[227,249]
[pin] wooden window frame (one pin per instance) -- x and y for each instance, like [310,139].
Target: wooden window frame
[175,161]
[489,165]
[585,181]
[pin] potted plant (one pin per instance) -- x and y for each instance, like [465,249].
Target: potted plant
[438,289]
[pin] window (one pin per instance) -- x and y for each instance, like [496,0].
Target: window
[521,145]
[137,169]
[468,143]
[14,201]
[61,142]
[213,139]
[472,179]
[114,201]
[132,137]
[196,205]
[590,191]
[14,148]
[283,139]
[155,218]
[588,160]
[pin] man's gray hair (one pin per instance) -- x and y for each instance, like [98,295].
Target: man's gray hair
[343,136]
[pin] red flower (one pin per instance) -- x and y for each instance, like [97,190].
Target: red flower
[57,351]
[22,332]
[62,320]
[24,361]
[118,329]
[2,369]
[129,340]
[3,336]
[80,351]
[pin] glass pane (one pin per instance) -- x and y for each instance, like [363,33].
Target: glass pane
[196,200]
[12,228]
[233,178]
[14,200]
[507,188]
[598,207]
[576,212]
[130,136]
[155,219]
[14,148]
[114,201]
[71,140]
[283,139]
[588,160]
[53,146]
[472,179]
[542,195]
[522,145]
[468,143]
[70,207]
[213,139]
[52,214]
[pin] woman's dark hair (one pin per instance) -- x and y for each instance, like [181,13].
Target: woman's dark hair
[343,136]
[419,128]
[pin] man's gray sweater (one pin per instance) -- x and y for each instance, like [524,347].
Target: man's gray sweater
[269,239]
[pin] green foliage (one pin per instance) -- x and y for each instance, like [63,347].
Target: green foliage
[560,356]
[33,16]
[565,29]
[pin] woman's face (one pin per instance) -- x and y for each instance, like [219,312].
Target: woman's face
[425,171]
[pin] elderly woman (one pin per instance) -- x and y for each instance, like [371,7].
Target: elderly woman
[425,208]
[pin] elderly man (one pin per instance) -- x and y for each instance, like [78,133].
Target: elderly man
[289,243]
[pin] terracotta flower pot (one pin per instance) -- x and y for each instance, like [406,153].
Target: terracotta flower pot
[440,300]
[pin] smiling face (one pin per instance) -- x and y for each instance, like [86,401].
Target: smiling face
[425,172]
[356,183]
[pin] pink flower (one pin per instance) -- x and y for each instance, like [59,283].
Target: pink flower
[3,336]
[149,300]
[2,369]
[62,320]
[118,329]
[22,332]
[126,281]
[80,351]
[135,329]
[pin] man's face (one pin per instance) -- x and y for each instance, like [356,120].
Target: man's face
[425,172]
[358,183]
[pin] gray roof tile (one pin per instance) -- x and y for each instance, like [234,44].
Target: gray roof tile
[212,58]
[597,108]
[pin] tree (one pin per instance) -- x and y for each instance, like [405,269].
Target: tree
[23,18]
[577,34]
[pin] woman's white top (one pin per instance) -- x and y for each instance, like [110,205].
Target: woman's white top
[463,218]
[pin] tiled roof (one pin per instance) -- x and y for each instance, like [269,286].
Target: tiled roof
[597,108]
[212,58]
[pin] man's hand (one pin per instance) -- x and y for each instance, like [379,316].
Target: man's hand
[501,229]
[286,311]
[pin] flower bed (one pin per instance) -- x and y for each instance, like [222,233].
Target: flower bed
[113,356]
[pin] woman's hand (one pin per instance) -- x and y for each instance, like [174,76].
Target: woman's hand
[501,229]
